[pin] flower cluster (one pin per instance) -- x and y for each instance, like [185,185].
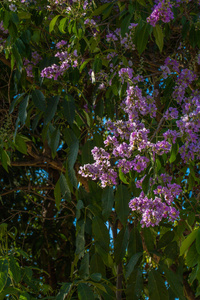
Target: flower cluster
[66,59]
[161,11]
[152,210]
[30,64]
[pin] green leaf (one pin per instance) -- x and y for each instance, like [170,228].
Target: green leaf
[156,286]
[188,241]
[142,35]
[15,102]
[63,291]
[146,184]
[97,65]
[166,239]
[198,241]
[65,191]
[39,100]
[69,109]
[132,263]
[148,239]
[100,9]
[73,153]
[54,141]
[96,277]
[15,269]
[5,159]
[142,2]
[106,257]
[134,288]
[101,233]
[172,250]
[24,296]
[86,152]
[84,268]
[85,292]
[120,245]
[96,265]
[84,64]
[3,273]
[174,152]
[135,242]
[125,24]
[122,176]
[107,202]
[62,24]
[192,256]
[57,194]
[122,199]
[22,109]
[53,22]
[80,240]
[20,144]
[159,36]
[51,109]
[174,281]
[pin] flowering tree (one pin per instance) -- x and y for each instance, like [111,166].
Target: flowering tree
[100,149]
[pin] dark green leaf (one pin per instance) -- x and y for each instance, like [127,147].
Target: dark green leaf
[3,273]
[15,269]
[198,241]
[39,100]
[125,24]
[174,281]
[156,286]
[104,254]
[101,233]
[97,65]
[69,108]
[85,292]
[96,277]
[135,242]
[148,238]
[172,250]
[80,241]
[96,265]
[107,202]
[55,139]
[63,291]
[15,102]
[120,245]
[134,288]
[84,268]
[142,35]
[122,199]
[159,36]
[51,109]
[166,239]
[65,191]
[132,263]
[20,144]
[146,184]
[5,159]
[100,9]
[22,109]
[57,194]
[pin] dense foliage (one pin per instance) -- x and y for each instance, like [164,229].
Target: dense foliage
[100,149]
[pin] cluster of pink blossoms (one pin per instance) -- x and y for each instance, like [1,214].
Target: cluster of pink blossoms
[66,59]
